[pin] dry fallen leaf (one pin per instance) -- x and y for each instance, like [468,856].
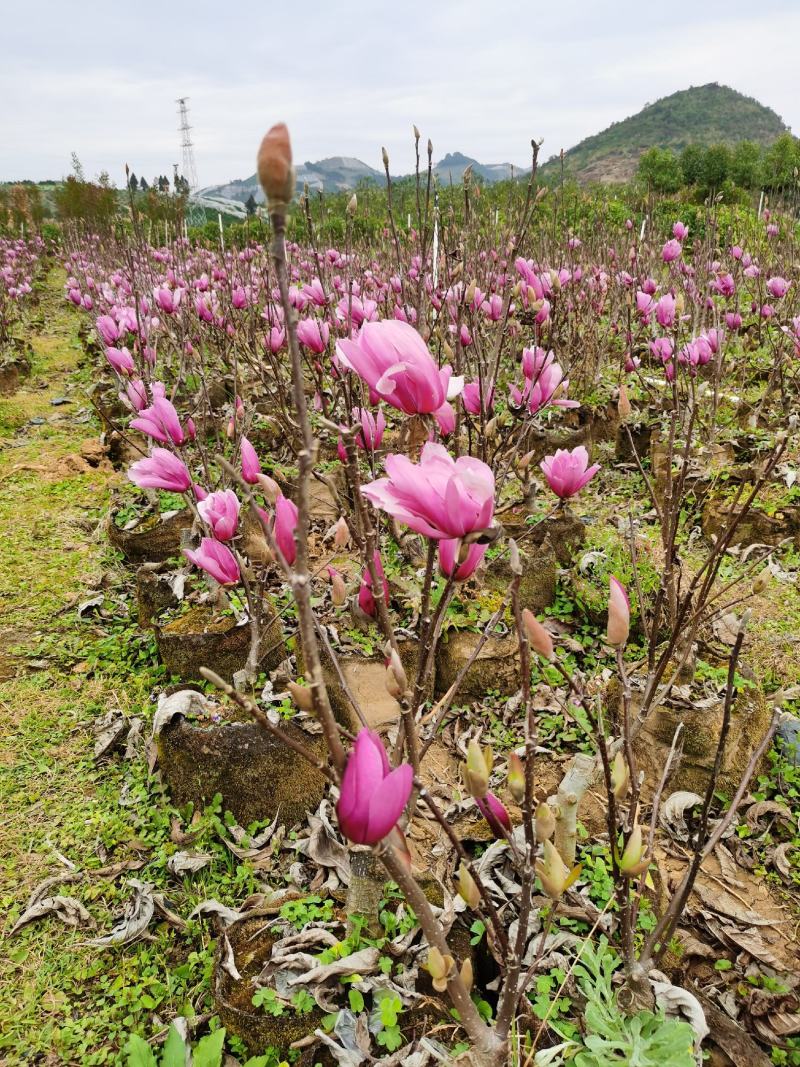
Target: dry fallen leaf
[67,910]
[134,920]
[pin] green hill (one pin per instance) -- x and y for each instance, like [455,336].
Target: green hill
[704,114]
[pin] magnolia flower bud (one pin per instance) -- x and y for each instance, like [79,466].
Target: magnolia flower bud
[478,770]
[623,404]
[469,296]
[544,822]
[269,487]
[468,888]
[761,582]
[516,777]
[352,205]
[552,871]
[301,695]
[275,171]
[620,778]
[619,614]
[466,972]
[395,665]
[525,461]
[633,861]
[393,687]
[385,158]
[540,640]
[338,588]
[341,533]
[416,133]
[438,967]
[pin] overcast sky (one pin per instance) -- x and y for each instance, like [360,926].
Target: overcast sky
[100,78]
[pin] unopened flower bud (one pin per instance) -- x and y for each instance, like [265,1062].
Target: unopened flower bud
[553,873]
[619,614]
[540,640]
[544,822]
[275,171]
[620,778]
[385,158]
[338,588]
[341,533]
[468,888]
[469,296]
[438,967]
[467,976]
[301,695]
[352,205]
[525,461]
[395,665]
[416,133]
[269,487]
[761,582]
[516,777]
[633,861]
[478,769]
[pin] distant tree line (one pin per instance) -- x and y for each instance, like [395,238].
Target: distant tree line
[721,167]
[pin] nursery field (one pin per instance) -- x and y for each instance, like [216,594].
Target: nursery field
[399,651]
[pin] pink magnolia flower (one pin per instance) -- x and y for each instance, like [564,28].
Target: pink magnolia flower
[394,361]
[544,381]
[251,468]
[471,397]
[463,559]
[680,231]
[665,310]
[313,335]
[366,599]
[277,335]
[671,250]
[644,303]
[284,527]
[492,307]
[372,796]
[661,347]
[494,811]
[135,395]
[121,360]
[370,435]
[619,613]
[160,421]
[567,472]
[733,320]
[778,287]
[108,329]
[439,497]
[215,559]
[161,470]
[724,285]
[220,511]
[167,300]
